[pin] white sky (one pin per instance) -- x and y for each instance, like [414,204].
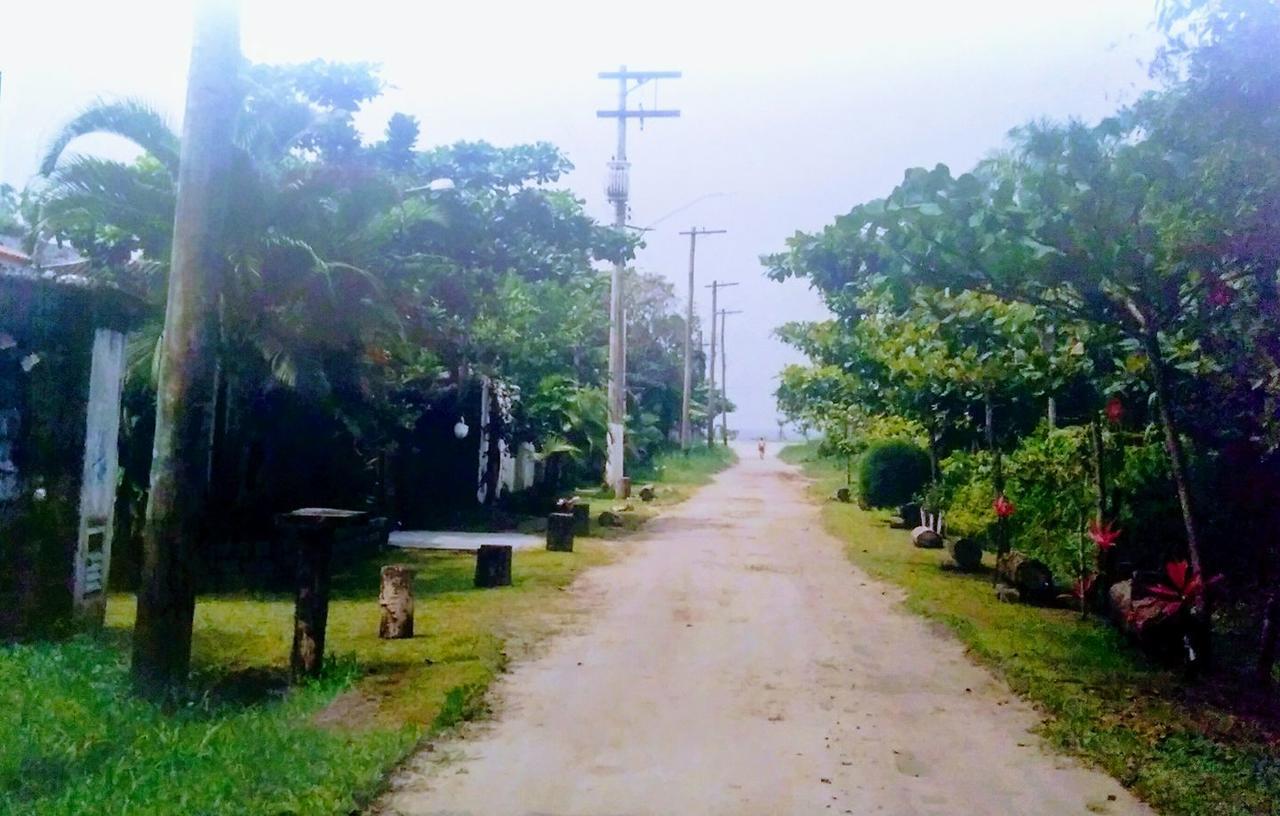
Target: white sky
[793,111]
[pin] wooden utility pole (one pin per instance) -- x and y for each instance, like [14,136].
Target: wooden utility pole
[712,400]
[724,377]
[685,431]
[618,189]
[176,508]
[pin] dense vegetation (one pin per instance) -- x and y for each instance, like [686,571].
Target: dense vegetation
[1084,332]
[1183,749]
[369,288]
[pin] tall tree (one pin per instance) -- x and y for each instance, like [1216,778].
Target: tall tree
[180,468]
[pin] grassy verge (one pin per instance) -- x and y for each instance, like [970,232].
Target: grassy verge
[73,741]
[1101,700]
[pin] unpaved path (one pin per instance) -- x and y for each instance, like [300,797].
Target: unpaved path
[737,664]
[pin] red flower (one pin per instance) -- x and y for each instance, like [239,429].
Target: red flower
[1002,506]
[1104,535]
[1115,410]
[1183,590]
[1220,294]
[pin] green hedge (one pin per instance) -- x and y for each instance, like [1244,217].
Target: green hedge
[892,473]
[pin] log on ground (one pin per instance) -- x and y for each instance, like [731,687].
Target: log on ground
[1030,577]
[926,539]
[965,552]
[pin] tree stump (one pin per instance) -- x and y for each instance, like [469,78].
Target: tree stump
[910,515]
[626,488]
[560,532]
[926,539]
[647,493]
[842,495]
[313,530]
[493,566]
[966,553]
[581,519]
[395,598]
[1030,577]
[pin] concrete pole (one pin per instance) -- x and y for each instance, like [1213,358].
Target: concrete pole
[686,431]
[614,468]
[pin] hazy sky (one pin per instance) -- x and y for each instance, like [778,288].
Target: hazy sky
[792,112]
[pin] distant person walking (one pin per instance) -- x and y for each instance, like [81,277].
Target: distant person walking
[760,446]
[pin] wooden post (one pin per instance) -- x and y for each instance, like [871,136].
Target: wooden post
[493,566]
[395,598]
[581,519]
[313,530]
[560,532]
[626,488]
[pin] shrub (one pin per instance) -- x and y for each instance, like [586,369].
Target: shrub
[892,473]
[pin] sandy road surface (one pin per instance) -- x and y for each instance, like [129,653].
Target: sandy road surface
[737,664]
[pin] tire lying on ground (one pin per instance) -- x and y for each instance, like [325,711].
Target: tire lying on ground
[966,553]
[1030,577]
[926,539]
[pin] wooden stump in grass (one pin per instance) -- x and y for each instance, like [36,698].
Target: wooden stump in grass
[842,495]
[313,530]
[926,539]
[560,532]
[626,488]
[966,553]
[648,493]
[396,601]
[1030,577]
[910,515]
[581,519]
[493,566]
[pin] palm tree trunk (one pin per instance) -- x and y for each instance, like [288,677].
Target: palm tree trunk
[1201,624]
[185,394]
[1174,449]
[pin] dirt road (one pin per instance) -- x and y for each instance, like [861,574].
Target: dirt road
[737,664]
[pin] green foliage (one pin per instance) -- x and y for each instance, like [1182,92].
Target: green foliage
[358,296]
[892,473]
[1101,701]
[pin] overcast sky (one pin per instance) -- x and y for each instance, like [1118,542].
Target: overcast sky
[792,113]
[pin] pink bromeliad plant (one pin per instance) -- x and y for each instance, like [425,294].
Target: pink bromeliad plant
[1104,535]
[1180,592]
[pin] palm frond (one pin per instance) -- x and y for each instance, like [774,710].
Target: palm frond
[131,119]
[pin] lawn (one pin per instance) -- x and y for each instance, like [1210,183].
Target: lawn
[73,741]
[1102,701]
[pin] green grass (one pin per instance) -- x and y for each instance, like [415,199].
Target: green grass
[1102,701]
[74,741]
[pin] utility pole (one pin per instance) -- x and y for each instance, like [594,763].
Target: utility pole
[177,508]
[712,401]
[724,377]
[618,190]
[685,430]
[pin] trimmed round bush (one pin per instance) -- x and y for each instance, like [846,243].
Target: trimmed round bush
[892,473]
